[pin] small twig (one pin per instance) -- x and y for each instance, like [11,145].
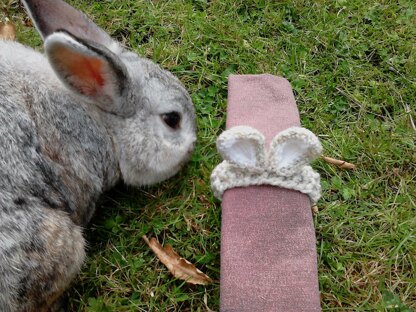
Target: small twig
[144,237]
[339,163]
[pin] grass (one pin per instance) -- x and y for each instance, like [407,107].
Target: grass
[352,68]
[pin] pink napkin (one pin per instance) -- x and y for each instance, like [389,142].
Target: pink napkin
[268,244]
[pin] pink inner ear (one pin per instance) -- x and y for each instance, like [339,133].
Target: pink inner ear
[89,73]
[84,72]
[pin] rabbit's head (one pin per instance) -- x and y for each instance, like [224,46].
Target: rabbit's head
[146,109]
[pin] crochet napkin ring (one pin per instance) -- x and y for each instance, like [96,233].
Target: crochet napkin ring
[285,164]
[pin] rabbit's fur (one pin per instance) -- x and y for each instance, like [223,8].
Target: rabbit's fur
[72,124]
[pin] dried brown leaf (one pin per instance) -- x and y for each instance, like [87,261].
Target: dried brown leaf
[7,31]
[339,163]
[179,267]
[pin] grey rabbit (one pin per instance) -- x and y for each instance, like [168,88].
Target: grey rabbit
[73,123]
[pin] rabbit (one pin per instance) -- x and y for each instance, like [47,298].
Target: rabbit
[73,123]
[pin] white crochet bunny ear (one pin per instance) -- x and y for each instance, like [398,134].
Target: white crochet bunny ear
[293,148]
[242,146]
[285,165]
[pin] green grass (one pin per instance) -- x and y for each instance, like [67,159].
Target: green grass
[352,67]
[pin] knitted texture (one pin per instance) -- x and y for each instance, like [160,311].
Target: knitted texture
[285,164]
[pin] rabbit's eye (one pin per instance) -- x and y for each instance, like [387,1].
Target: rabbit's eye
[172,119]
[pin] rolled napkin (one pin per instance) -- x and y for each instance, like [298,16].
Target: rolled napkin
[268,244]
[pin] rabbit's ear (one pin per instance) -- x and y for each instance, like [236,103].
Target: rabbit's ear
[52,15]
[293,148]
[88,69]
[242,146]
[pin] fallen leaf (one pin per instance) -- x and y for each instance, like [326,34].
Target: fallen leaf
[7,31]
[339,163]
[315,209]
[179,267]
